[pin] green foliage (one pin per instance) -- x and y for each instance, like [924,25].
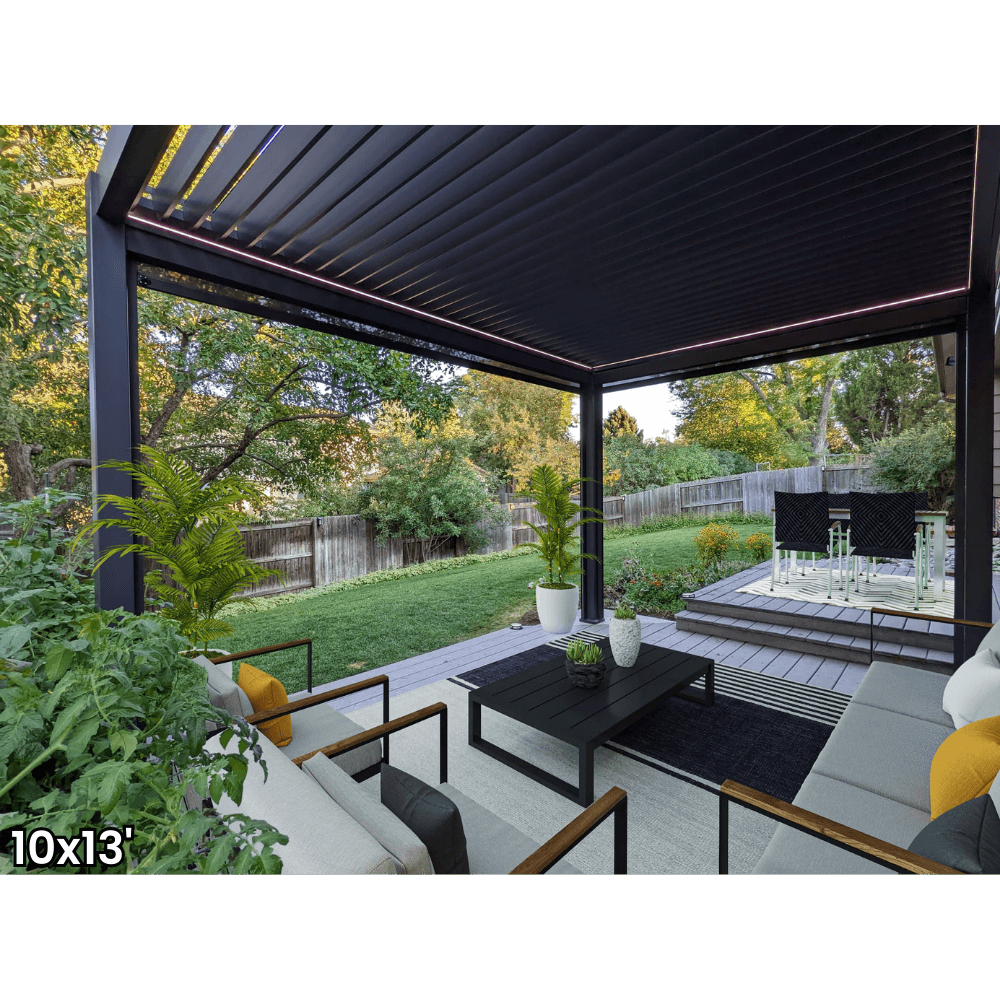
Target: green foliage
[515,426]
[634,465]
[887,390]
[426,491]
[620,423]
[660,592]
[285,405]
[556,546]
[758,545]
[188,529]
[666,522]
[102,723]
[625,611]
[918,459]
[584,652]
[713,541]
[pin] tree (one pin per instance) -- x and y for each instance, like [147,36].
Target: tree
[286,405]
[919,459]
[517,425]
[778,413]
[42,310]
[620,423]
[427,491]
[886,390]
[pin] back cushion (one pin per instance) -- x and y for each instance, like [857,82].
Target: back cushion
[223,691]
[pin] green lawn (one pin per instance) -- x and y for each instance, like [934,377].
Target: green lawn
[365,627]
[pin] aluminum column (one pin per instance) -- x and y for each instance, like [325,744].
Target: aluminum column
[592,491]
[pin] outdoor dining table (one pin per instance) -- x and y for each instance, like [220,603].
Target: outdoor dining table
[936,519]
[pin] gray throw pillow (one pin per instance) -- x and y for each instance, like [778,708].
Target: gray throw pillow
[431,815]
[966,837]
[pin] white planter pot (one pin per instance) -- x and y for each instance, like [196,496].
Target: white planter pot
[626,636]
[556,608]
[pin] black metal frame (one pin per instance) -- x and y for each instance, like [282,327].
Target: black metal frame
[308,643]
[619,809]
[125,229]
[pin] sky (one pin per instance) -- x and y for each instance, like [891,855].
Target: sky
[651,406]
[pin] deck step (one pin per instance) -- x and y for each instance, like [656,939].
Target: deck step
[818,614]
[817,641]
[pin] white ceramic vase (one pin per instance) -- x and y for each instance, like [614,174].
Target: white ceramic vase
[556,608]
[626,636]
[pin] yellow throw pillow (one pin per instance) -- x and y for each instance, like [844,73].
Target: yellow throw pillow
[266,692]
[965,765]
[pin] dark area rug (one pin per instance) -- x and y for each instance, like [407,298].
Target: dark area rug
[766,748]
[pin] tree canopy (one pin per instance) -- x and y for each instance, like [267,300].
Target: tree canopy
[516,426]
[619,423]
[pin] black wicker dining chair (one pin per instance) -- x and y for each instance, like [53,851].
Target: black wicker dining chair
[883,526]
[802,524]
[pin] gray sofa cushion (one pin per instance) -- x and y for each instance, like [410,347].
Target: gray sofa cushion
[223,691]
[884,752]
[907,690]
[322,837]
[391,832]
[992,639]
[793,852]
[431,815]
[495,847]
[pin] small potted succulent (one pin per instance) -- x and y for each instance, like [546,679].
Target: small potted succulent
[584,663]
[625,632]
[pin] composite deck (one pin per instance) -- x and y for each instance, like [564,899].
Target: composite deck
[826,659]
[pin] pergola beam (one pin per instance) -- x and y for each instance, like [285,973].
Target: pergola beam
[974,399]
[128,161]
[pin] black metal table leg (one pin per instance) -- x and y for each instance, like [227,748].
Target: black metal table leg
[586,775]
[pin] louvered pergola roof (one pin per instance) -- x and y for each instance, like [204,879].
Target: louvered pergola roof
[605,254]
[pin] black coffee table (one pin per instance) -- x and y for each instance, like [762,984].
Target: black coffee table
[544,698]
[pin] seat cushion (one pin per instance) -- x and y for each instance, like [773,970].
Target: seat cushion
[322,725]
[965,765]
[884,752]
[266,692]
[432,816]
[495,847]
[973,691]
[391,832]
[791,852]
[907,690]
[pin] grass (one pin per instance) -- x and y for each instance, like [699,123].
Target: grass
[357,626]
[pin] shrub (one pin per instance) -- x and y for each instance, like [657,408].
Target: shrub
[102,725]
[918,459]
[758,545]
[713,541]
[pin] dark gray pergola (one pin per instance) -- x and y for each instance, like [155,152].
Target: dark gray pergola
[583,258]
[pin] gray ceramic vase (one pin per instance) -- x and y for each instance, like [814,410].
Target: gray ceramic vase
[626,637]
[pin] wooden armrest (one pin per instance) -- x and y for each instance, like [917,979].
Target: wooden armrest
[260,652]
[318,699]
[852,840]
[929,618]
[377,732]
[614,801]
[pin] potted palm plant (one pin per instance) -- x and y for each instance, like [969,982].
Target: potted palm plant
[555,597]
[187,531]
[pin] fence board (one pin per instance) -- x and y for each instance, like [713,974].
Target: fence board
[316,551]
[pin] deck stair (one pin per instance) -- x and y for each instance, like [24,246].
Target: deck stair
[805,627]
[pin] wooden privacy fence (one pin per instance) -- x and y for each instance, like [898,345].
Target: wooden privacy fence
[320,550]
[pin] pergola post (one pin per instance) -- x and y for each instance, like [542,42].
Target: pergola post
[974,409]
[592,495]
[114,394]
